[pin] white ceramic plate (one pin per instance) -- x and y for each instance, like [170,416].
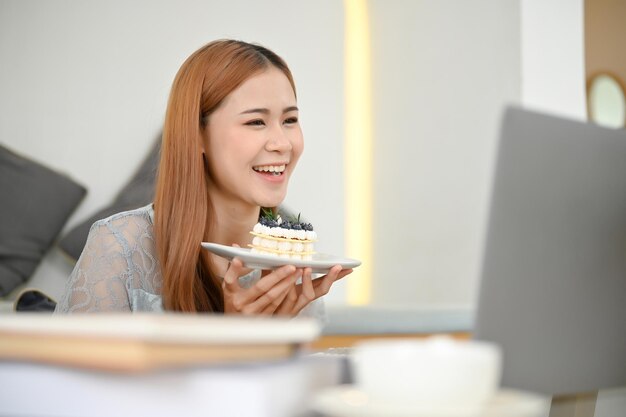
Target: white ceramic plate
[349,401]
[320,264]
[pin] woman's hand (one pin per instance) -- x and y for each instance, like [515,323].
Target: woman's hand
[264,297]
[277,292]
[301,295]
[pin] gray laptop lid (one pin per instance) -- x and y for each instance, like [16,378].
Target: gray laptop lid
[553,285]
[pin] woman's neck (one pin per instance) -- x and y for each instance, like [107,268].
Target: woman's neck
[233,222]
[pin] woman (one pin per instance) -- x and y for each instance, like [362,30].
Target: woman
[232,117]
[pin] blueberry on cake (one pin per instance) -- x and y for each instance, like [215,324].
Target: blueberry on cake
[287,239]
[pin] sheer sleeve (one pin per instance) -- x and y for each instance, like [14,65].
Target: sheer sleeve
[116,268]
[317,310]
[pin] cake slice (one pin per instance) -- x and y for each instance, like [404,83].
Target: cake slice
[287,239]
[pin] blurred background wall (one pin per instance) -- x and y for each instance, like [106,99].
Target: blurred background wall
[442,72]
[84,84]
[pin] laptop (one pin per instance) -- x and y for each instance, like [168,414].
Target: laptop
[553,279]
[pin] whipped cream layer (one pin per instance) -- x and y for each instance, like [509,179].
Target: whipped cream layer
[285,243]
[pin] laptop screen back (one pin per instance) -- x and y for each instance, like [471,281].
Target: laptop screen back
[553,284]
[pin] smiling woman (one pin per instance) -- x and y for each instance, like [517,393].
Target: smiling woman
[231,140]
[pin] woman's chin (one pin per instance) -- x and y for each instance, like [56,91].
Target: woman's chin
[268,197]
[270,201]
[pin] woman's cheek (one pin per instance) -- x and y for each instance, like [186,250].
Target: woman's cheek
[298,146]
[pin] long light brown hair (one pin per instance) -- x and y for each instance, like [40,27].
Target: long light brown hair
[183,212]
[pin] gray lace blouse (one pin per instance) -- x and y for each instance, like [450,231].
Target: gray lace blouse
[118,269]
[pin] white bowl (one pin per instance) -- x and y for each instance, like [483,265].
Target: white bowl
[438,373]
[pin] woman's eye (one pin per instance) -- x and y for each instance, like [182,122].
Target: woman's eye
[291,120]
[257,122]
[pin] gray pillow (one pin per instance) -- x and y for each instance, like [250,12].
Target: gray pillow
[137,193]
[35,203]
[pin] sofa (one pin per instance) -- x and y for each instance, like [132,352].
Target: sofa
[36,202]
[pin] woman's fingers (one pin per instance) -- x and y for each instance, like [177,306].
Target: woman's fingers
[231,277]
[322,285]
[307,284]
[277,292]
[271,299]
[289,302]
[238,299]
[312,289]
[307,291]
[232,291]
[245,270]
[268,282]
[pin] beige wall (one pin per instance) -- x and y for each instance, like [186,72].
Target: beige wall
[605,35]
[442,72]
[553,69]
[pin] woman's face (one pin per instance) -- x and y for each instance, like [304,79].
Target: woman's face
[254,141]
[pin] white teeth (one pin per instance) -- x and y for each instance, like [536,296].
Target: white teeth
[270,168]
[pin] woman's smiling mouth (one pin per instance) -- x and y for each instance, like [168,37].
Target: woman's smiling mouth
[273,170]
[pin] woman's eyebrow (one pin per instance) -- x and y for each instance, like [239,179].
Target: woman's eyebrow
[267,111]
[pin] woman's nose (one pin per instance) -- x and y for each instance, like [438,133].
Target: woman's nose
[278,141]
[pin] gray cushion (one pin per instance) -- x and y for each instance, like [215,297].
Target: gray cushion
[35,203]
[137,193]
